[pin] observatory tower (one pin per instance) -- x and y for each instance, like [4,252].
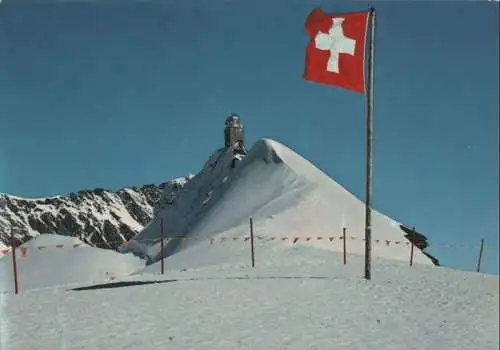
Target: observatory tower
[234,134]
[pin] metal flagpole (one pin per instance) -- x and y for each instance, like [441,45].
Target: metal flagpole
[14,260]
[369,144]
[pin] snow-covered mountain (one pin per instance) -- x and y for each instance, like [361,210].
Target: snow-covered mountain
[100,217]
[286,196]
[210,286]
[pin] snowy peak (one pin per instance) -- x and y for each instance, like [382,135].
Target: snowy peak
[196,198]
[284,193]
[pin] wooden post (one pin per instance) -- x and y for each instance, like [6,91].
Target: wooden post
[162,268]
[369,148]
[480,255]
[251,242]
[412,245]
[345,245]
[14,261]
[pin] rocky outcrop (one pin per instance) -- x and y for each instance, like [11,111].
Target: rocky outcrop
[100,217]
[420,241]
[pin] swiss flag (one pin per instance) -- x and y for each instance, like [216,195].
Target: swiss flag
[335,54]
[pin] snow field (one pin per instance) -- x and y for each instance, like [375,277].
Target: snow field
[309,301]
[52,266]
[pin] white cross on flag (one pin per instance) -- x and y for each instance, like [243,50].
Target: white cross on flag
[335,54]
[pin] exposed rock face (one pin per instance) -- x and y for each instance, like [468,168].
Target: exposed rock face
[100,217]
[420,241]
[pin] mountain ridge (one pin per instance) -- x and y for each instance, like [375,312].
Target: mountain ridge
[270,182]
[101,217]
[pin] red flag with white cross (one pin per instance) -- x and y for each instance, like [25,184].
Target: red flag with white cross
[335,55]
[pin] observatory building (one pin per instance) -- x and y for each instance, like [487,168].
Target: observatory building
[234,134]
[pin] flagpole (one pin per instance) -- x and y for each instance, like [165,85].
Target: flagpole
[369,144]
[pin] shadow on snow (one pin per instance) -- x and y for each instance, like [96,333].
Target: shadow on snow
[140,283]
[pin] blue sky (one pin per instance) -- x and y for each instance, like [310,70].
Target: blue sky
[108,95]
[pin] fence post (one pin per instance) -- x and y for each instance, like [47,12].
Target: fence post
[251,242]
[412,245]
[345,245]
[14,262]
[480,255]
[161,252]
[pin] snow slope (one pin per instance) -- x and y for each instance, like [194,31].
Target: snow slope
[3,249]
[307,301]
[52,260]
[284,193]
